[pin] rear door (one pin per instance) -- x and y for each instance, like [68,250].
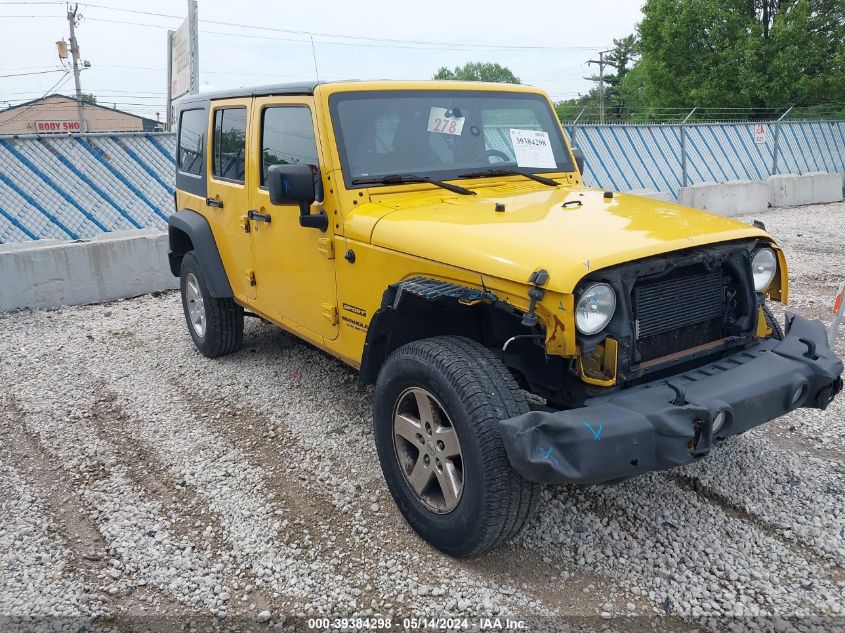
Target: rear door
[227,198]
[294,265]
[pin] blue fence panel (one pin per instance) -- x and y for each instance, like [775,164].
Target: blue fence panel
[76,186]
[631,157]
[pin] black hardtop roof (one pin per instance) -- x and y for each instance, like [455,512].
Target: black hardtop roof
[291,88]
[295,88]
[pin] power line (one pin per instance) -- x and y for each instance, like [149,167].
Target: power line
[27,67]
[369,44]
[343,35]
[55,86]
[42,72]
[385,42]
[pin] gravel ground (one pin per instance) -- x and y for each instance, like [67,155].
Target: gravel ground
[146,485]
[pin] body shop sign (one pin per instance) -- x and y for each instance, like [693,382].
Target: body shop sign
[56,126]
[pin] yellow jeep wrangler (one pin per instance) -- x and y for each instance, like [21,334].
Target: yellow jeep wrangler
[519,328]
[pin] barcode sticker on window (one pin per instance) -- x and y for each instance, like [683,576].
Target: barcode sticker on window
[532,148]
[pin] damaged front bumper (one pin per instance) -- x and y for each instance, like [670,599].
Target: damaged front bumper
[671,422]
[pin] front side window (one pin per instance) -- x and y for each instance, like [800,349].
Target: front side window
[445,134]
[229,146]
[287,138]
[192,126]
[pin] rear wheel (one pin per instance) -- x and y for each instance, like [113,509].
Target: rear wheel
[438,403]
[216,325]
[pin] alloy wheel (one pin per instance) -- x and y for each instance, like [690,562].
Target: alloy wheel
[428,450]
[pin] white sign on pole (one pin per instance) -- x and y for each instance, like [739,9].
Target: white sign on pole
[180,62]
[761,133]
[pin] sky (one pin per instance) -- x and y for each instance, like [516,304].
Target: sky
[248,42]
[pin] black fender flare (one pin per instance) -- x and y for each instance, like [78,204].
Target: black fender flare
[383,333]
[190,224]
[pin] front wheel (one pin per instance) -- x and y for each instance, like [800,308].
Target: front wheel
[438,403]
[772,323]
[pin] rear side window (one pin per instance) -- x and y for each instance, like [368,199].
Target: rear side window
[287,138]
[192,127]
[229,147]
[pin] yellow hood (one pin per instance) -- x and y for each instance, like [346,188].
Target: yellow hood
[536,231]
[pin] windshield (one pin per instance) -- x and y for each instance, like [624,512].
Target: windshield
[445,134]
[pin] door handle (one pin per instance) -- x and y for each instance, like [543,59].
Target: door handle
[211,202]
[258,217]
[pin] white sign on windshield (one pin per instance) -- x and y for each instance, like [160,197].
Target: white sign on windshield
[532,148]
[438,121]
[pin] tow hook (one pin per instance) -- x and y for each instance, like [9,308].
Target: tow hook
[537,279]
[699,444]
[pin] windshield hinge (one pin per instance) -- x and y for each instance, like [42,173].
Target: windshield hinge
[330,313]
[326,246]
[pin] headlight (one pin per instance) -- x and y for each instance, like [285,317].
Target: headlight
[595,308]
[764,265]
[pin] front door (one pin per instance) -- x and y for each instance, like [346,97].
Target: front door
[228,193]
[294,265]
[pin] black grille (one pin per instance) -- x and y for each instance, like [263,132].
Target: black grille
[678,312]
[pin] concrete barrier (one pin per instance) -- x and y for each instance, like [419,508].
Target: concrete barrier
[52,273]
[726,198]
[790,190]
[663,196]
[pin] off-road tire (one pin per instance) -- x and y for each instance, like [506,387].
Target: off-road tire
[476,392]
[224,319]
[773,323]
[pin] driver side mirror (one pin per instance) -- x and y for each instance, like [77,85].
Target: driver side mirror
[579,159]
[298,184]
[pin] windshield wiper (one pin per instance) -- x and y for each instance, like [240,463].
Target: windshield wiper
[504,171]
[399,179]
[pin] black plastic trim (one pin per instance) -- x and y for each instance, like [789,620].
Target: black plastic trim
[196,228]
[385,322]
[659,425]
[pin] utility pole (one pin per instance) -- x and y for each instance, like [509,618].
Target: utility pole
[169,115]
[600,61]
[74,54]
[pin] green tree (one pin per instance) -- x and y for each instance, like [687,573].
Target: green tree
[478,71]
[758,54]
[89,98]
[803,60]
